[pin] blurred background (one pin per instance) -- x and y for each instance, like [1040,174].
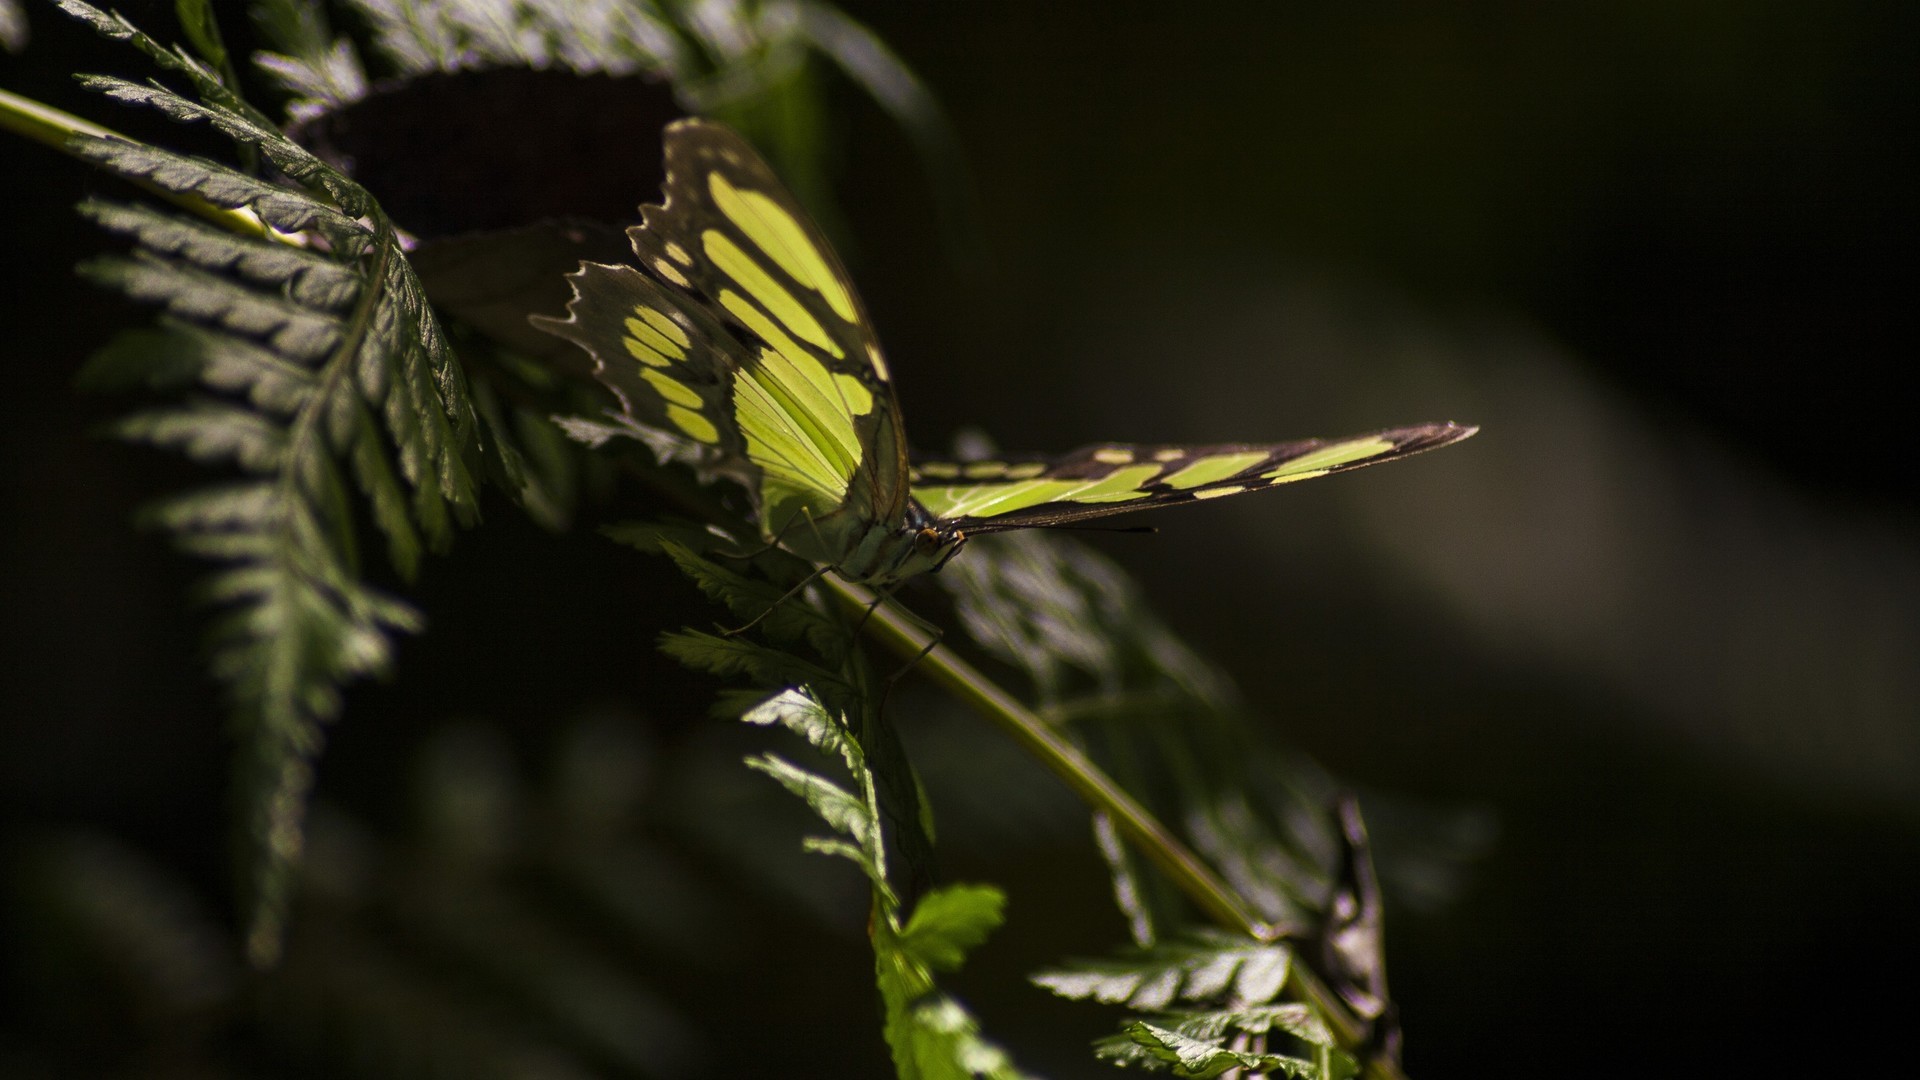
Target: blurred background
[1656,630]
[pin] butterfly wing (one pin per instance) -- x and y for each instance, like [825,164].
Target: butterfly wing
[816,411]
[1028,491]
[670,364]
[792,392]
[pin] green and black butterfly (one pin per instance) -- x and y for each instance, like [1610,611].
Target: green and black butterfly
[740,338]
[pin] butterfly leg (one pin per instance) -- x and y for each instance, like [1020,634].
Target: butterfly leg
[878,599]
[887,684]
[748,556]
[771,608]
[935,636]
[770,545]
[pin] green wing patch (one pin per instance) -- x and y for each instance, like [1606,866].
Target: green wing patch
[730,235]
[1114,478]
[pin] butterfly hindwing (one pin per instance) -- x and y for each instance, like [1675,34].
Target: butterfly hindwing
[1115,478]
[670,364]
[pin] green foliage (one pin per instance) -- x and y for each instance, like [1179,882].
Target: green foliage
[915,932]
[1212,1007]
[1199,1002]
[1175,732]
[322,373]
[1213,965]
[414,37]
[309,368]
[796,641]
[1169,725]
[931,1033]
[325,378]
[1174,1050]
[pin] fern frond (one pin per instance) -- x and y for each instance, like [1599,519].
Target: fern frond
[211,432]
[527,456]
[767,601]
[1150,1046]
[165,359]
[309,278]
[1285,840]
[202,29]
[1104,664]
[326,382]
[931,1034]
[949,923]
[744,60]
[805,716]
[294,331]
[206,81]
[283,209]
[417,37]
[246,129]
[731,657]
[304,318]
[1292,1018]
[319,69]
[586,35]
[1212,1005]
[1212,965]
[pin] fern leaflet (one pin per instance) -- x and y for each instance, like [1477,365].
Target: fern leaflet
[1211,1008]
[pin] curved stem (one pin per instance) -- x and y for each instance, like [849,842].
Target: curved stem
[1060,757]
[59,129]
[906,636]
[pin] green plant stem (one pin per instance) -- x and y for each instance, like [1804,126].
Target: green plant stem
[52,127]
[906,636]
[1064,759]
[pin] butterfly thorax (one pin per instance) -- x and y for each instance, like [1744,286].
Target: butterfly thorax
[883,554]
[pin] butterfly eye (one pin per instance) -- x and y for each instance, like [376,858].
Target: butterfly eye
[927,541]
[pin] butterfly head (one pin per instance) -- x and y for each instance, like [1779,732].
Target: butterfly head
[922,547]
[936,543]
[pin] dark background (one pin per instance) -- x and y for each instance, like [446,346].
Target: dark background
[1660,621]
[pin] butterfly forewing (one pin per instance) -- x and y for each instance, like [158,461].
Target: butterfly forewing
[1114,478]
[816,412]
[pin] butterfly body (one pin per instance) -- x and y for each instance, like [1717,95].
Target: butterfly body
[882,553]
[739,339]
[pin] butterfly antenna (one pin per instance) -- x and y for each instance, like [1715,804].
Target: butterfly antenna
[1135,529]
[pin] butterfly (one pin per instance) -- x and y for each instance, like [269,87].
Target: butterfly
[738,339]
